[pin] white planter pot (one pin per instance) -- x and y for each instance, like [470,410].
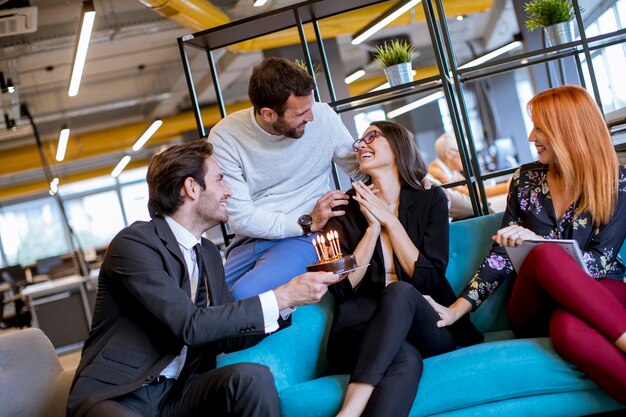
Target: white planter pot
[560,33]
[399,74]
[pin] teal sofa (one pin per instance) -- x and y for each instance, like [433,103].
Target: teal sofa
[501,377]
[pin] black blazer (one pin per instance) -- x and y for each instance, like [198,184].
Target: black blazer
[144,315]
[424,216]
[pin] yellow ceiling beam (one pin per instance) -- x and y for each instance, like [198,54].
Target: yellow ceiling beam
[193,14]
[198,15]
[116,139]
[42,186]
[351,22]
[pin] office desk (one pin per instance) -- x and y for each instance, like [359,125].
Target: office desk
[60,308]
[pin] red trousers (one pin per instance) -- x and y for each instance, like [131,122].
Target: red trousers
[583,316]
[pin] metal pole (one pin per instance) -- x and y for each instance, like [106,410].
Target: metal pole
[192,89]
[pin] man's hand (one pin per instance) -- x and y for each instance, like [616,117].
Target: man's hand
[324,208]
[304,289]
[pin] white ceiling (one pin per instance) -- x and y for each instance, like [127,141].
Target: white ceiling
[134,72]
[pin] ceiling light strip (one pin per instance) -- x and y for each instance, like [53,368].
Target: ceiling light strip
[493,54]
[120,166]
[147,134]
[414,105]
[88,16]
[354,76]
[61,148]
[383,20]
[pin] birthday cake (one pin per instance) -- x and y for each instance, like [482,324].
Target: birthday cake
[329,256]
[336,266]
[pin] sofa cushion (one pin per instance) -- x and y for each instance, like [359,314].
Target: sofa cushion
[297,353]
[493,372]
[29,368]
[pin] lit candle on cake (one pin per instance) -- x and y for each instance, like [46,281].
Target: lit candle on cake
[317,252]
[329,255]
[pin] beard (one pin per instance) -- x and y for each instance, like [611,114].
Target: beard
[210,212]
[281,127]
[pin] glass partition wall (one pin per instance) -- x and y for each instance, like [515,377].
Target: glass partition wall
[476,91]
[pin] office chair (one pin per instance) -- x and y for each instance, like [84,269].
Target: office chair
[15,277]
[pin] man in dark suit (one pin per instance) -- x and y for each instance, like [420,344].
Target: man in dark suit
[163,311]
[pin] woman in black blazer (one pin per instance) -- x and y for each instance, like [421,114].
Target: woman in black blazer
[383,327]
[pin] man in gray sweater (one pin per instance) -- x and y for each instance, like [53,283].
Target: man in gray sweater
[277,158]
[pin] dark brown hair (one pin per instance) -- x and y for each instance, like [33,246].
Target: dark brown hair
[411,166]
[274,80]
[169,170]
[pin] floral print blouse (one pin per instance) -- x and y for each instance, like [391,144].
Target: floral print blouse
[529,205]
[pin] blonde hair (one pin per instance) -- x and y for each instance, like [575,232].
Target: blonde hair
[443,143]
[586,161]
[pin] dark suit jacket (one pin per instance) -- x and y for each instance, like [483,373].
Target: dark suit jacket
[424,216]
[144,315]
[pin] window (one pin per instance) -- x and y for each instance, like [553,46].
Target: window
[135,201]
[32,230]
[95,218]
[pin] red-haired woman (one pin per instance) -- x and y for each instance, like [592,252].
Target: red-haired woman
[577,190]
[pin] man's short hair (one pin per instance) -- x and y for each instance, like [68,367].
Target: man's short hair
[443,143]
[274,80]
[168,171]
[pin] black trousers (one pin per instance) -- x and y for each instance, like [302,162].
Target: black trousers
[387,347]
[243,389]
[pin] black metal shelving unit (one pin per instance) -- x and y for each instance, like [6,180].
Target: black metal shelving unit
[451,80]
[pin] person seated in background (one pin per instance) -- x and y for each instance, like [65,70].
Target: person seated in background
[163,311]
[383,327]
[460,204]
[277,158]
[447,167]
[577,190]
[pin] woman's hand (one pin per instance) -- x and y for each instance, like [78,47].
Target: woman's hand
[372,221]
[449,315]
[513,235]
[374,205]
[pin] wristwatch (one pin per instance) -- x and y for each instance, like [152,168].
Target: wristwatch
[305,221]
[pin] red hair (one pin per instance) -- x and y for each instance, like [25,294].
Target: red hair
[586,160]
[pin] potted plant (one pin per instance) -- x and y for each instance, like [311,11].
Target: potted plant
[302,64]
[554,16]
[395,59]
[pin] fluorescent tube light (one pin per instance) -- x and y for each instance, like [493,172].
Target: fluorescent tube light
[88,16]
[355,76]
[491,55]
[147,134]
[259,3]
[380,87]
[54,186]
[62,146]
[383,20]
[120,166]
[417,103]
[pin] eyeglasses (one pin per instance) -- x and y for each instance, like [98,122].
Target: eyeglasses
[368,138]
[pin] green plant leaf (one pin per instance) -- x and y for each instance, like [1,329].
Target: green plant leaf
[302,64]
[394,52]
[543,13]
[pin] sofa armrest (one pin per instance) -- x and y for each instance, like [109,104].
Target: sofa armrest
[470,242]
[57,403]
[296,354]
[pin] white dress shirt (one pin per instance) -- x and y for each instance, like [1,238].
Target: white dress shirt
[186,241]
